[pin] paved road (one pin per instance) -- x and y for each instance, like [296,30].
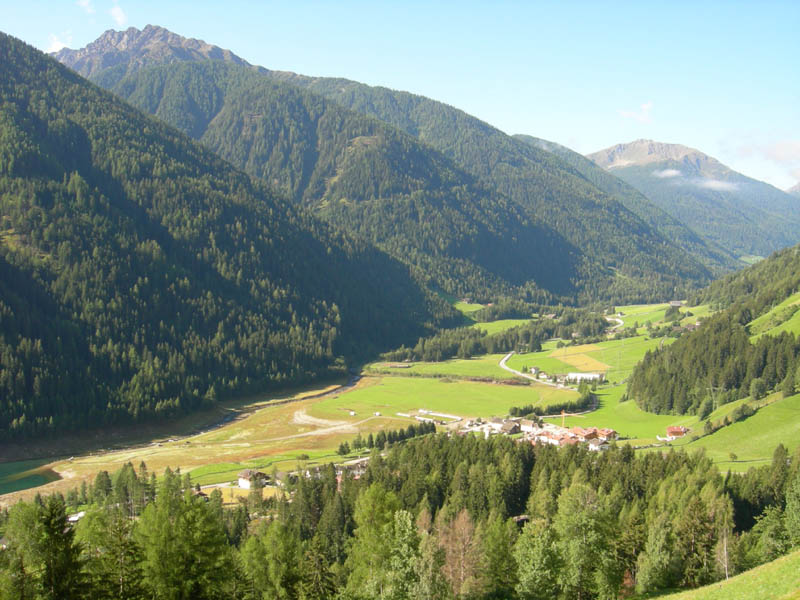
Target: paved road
[503,365]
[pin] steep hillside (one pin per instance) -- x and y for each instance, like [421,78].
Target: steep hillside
[741,351]
[713,256]
[777,580]
[538,180]
[363,175]
[617,255]
[143,276]
[742,215]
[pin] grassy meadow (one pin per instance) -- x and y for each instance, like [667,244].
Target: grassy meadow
[390,395]
[500,325]
[480,366]
[778,580]
[783,317]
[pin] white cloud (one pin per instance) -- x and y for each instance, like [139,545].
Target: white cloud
[57,42]
[118,14]
[86,5]
[642,115]
[716,185]
[667,173]
[785,151]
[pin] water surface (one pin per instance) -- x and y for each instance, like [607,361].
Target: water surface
[24,474]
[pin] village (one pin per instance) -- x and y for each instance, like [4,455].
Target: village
[540,432]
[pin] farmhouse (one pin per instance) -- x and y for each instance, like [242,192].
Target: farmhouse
[528,425]
[496,423]
[584,435]
[676,432]
[248,475]
[510,428]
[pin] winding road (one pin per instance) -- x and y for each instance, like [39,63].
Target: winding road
[502,364]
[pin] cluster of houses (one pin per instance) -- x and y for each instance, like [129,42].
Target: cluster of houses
[355,469]
[545,433]
[594,438]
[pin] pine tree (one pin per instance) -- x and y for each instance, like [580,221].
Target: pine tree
[792,513]
[62,575]
[537,562]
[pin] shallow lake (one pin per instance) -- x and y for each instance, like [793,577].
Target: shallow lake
[24,474]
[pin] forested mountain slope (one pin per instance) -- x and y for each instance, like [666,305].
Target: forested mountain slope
[723,361]
[742,215]
[539,181]
[619,255]
[363,175]
[710,254]
[142,275]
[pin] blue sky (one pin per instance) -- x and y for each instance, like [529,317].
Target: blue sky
[721,77]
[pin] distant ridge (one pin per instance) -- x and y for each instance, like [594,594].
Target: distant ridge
[742,215]
[644,152]
[614,253]
[794,190]
[712,255]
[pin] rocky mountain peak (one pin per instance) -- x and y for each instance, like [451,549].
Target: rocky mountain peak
[132,49]
[643,152]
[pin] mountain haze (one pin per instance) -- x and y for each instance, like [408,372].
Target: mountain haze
[795,190]
[143,276]
[610,251]
[713,256]
[742,215]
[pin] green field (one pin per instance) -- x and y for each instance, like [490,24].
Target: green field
[626,418]
[390,395]
[778,580]
[501,325]
[753,439]
[523,362]
[623,355]
[482,366]
[641,313]
[466,308]
[619,357]
[783,317]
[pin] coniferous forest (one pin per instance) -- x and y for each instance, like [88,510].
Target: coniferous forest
[433,518]
[142,276]
[474,209]
[720,362]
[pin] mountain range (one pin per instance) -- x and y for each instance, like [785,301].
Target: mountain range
[321,142]
[143,276]
[742,215]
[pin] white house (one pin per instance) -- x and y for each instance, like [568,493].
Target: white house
[588,377]
[248,475]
